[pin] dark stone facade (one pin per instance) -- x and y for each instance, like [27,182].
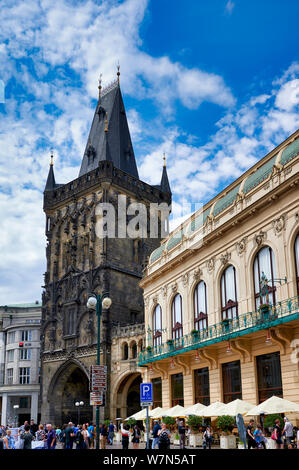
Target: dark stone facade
[78,263]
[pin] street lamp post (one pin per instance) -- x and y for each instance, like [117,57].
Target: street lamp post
[78,404]
[96,302]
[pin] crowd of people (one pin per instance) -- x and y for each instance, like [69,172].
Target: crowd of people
[256,438]
[71,436]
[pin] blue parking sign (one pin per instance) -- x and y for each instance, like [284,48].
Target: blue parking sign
[146,393]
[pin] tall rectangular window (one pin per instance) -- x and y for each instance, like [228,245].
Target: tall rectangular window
[9,376]
[231,379]
[177,389]
[24,375]
[25,354]
[70,327]
[157,389]
[26,335]
[202,386]
[269,376]
[10,355]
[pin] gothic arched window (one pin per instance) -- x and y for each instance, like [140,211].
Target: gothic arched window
[264,262]
[157,325]
[229,295]
[200,306]
[177,317]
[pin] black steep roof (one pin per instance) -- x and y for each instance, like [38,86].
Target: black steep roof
[116,145]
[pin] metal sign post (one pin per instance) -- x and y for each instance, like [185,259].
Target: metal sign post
[146,400]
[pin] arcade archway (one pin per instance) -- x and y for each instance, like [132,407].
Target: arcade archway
[69,385]
[127,396]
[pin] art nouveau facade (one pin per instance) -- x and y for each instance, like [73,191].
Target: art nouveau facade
[207,338]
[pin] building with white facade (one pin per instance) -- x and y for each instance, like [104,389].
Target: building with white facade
[19,362]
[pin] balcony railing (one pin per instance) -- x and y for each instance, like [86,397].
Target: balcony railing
[281,312]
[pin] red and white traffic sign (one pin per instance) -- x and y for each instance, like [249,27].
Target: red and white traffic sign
[98,378]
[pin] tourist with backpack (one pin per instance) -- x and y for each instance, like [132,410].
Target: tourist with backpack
[164,440]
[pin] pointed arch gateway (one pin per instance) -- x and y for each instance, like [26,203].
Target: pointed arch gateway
[69,385]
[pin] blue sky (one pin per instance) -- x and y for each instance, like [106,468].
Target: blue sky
[213,84]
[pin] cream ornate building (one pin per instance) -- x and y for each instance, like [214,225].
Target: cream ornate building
[207,337]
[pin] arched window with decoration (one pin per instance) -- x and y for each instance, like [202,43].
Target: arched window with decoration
[264,263]
[177,317]
[157,325]
[297,261]
[200,306]
[229,294]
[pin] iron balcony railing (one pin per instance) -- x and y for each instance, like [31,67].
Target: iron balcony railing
[281,312]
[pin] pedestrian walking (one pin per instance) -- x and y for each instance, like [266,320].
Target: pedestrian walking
[27,437]
[125,435]
[91,432]
[69,436]
[8,440]
[155,431]
[79,438]
[111,429]
[182,433]
[277,434]
[103,436]
[164,437]
[33,427]
[51,437]
[85,435]
[136,437]
[288,432]
[208,437]
[249,435]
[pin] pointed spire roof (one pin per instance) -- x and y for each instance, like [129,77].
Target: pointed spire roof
[164,185]
[118,139]
[51,184]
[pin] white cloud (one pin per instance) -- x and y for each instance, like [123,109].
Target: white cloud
[229,6]
[42,37]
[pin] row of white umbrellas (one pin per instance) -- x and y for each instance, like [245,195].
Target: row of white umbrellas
[271,406]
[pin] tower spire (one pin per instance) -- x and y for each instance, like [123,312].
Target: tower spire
[164,185]
[51,184]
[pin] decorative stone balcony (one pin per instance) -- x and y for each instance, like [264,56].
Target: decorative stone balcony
[281,312]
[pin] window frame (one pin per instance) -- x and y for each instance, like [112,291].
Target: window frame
[24,375]
[176,328]
[230,304]
[202,317]
[272,288]
[157,333]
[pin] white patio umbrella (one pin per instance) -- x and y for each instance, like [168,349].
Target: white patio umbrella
[195,410]
[212,410]
[177,411]
[158,412]
[139,415]
[274,405]
[235,407]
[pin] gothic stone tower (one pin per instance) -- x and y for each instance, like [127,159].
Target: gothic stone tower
[79,262]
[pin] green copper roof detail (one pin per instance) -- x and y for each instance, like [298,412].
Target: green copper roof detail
[175,240]
[226,200]
[199,220]
[157,253]
[259,175]
[290,152]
